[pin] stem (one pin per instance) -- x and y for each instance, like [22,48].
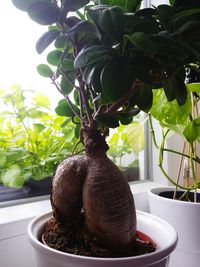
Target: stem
[161,154]
[193,172]
[179,171]
[152,131]
[182,154]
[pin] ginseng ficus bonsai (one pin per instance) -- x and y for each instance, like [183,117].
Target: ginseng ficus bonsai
[107,58]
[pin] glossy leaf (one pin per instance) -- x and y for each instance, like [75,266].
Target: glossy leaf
[24,4]
[194,87]
[43,13]
[75,4]
[82,26]
[46,39]
[141,41]
[116,78]
[66,86]
[169,112]
[54,57]
[167,46]
[128,5]
[192,130]
[108,120]
[77,131]
[92,54]
[143,98]
[111,21]
[44,70]
[63,109]
[67,65]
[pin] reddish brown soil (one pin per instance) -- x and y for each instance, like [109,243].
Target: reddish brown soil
[77,240]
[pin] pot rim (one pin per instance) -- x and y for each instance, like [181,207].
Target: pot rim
[155,192]
[157,255]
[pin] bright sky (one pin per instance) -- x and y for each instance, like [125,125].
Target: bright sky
[18,57]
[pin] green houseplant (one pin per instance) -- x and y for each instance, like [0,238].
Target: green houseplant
[180,203]
[109,58]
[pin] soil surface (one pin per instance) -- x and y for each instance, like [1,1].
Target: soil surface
[75,239]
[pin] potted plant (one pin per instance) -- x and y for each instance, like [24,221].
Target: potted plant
[108,59]
[179,203]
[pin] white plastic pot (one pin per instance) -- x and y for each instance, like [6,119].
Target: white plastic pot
[185,217]
[162,233]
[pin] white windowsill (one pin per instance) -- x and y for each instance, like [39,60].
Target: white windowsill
[29,210]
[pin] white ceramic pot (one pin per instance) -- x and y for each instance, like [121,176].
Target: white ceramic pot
[185,217]
[158,230]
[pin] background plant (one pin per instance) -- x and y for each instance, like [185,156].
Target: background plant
[33,139]
[183,121]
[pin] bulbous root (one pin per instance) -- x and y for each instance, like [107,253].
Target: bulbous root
[95,184]
[67,184]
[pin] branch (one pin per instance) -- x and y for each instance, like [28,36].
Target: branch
[67,99]
[116,105]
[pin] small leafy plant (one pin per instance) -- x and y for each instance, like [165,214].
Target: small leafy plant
[108,57]
[32,138]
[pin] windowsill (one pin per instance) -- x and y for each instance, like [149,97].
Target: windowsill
[29,210]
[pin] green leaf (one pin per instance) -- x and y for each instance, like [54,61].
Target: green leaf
[82,26]
[38,128]
[41,100]
[116,78]
[13,177]
[23,4]
[43,13]
[175,88]
[111,21]
[92,54]
[194,87]
[54,57]
[143,98]
[77,131]
[46,39]
[66,86]
[44,70]
[192,130]
[2,159]
[128,5]
[167,46]
[170,112]
[108,120]
[75,4]
[91,76]
[141,41]
[67,65]
[135,136]
[63,109]
[60,41]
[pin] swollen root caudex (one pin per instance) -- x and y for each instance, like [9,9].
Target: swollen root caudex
[96,185]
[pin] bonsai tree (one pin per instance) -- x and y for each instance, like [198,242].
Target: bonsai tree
[108,58]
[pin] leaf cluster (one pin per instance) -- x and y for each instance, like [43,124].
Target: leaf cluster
[110,56]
